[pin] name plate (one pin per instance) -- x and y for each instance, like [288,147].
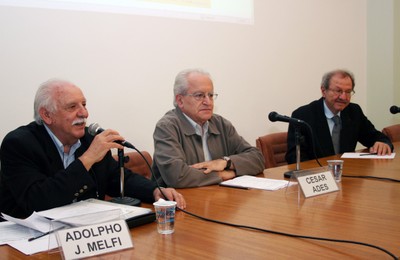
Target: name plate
[94,240]
[317,184]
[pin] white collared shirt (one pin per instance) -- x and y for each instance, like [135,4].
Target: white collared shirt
[203,133]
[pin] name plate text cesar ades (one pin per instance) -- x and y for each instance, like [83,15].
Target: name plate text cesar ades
[317,184]
[93,240]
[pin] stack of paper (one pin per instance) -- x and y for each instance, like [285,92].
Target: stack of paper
[76,214]
[252,182]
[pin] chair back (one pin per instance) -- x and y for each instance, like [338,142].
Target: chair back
[273,147]
[137,164]
[393,132]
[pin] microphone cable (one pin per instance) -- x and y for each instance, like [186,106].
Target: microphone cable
[261,229]
[371,177]
[311,133]
[289,234]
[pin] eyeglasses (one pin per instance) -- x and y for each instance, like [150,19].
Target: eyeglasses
[199,96]
[339,92]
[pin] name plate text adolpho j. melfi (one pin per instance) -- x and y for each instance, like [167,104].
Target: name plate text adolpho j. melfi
[85,241]
[317,183]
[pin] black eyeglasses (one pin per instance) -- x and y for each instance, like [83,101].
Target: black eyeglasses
[199,96]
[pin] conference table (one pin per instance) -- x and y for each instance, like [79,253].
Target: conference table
[264,224]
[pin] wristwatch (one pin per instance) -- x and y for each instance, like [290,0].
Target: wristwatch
[228,162]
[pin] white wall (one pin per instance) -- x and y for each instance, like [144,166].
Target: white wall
[126,64]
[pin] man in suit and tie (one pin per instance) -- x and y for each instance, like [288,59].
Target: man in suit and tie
[336,123]
[54,161]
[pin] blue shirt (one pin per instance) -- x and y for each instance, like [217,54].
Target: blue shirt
[67,158]
[329,115]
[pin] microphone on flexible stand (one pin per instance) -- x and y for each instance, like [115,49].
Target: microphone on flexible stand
[95,129]
[394,109]
[273,117]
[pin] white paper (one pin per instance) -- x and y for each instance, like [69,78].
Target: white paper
[252,182]
[367,156]
[92,206]
[38,245]
[11,232]
[34,221]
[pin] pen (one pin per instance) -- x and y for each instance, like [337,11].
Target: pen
[235,187]
[44,234]
[363,154]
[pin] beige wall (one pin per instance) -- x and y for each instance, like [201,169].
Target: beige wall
[383,49]
[126,64]
[396,65]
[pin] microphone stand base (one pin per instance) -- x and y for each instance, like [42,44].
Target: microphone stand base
[289,174]
[127,201]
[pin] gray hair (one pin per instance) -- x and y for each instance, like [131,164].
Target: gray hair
[181,83]
[44,97]
[344,73]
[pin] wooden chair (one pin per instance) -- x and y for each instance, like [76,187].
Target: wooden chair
[273,147]
[393,132]
[137,164]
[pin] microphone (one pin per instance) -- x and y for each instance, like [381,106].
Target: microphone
[394,109]
[95,129]
[273,116]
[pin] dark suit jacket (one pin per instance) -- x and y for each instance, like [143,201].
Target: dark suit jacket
[33,177]
[355,128]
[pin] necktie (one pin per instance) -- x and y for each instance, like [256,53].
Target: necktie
[336,134]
